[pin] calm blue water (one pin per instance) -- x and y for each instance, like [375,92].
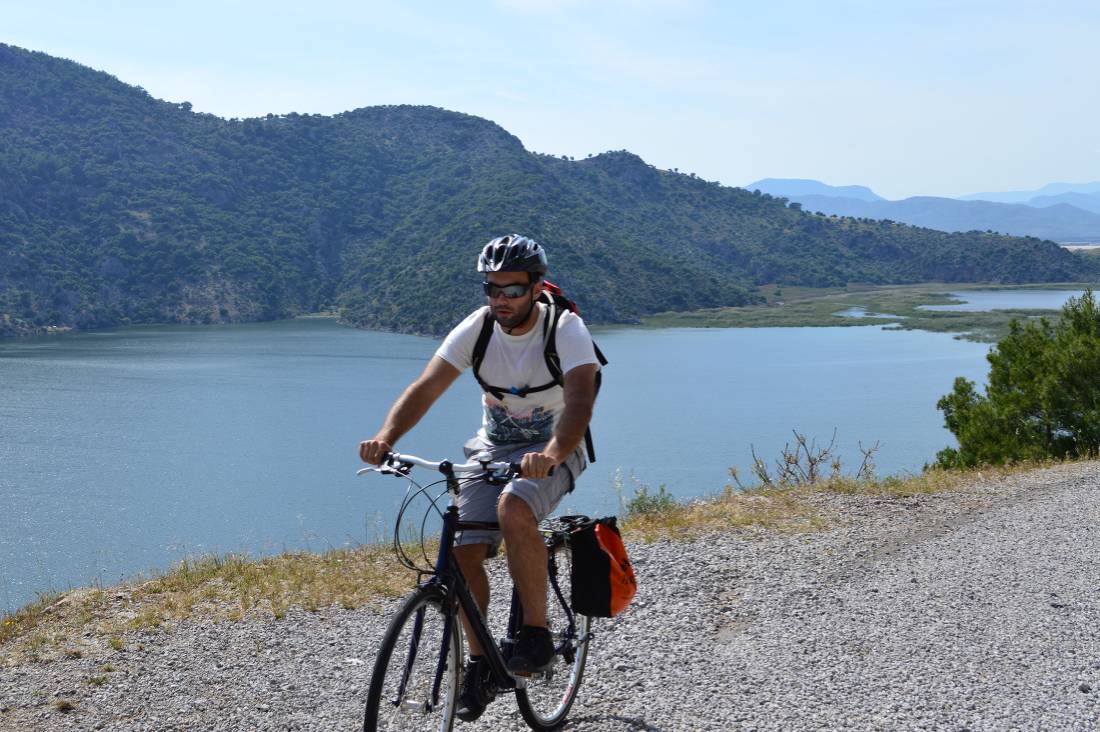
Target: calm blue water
[123,451]
[985,300]
[858,312]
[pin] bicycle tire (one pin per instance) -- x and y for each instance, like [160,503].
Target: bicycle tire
[402,692]
[544,701]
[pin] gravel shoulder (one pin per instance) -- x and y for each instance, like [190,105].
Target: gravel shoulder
[975,609]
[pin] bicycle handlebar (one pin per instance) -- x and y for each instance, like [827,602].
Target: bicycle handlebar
[474,466]
[502,469]
[395,459]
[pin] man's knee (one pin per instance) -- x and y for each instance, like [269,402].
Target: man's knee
[514,514]
[471,556]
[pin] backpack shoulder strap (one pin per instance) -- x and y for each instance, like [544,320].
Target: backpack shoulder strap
[550,343]
[478,357]
[553,364]
[599,356]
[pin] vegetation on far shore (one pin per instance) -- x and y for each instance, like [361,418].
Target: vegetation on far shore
[898,307]
[218,588]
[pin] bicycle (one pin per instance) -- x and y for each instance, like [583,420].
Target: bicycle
[417,674]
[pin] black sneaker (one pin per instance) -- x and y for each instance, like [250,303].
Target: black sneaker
[474,696]
[533,652]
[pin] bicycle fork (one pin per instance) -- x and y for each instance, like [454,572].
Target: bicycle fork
[429,704]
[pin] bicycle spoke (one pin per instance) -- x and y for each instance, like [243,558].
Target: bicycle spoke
[545,698]
[416,675]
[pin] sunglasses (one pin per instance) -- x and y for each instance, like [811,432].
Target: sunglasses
[509,291]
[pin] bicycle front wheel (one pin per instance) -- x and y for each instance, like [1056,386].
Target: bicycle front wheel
[544,699]
[416,676]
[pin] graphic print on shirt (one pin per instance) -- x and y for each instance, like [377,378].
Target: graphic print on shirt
[502,427]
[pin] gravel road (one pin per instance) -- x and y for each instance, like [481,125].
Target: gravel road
[975,609]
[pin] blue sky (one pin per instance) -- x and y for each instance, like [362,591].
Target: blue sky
[934,97]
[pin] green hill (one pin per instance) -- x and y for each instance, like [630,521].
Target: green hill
[119,208]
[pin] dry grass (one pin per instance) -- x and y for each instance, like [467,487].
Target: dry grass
[795,508]
[219,588]
[88,622]
[26,619]
[770,509]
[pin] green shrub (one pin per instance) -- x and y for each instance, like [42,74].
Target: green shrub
[646,503]
[1043,398]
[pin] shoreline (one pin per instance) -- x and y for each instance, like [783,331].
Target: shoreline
[803,308]
[897,307]
[354,576]
[913,598]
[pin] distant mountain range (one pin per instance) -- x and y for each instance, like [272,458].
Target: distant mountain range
[797,187]
[1063,212]
[119,208]
[1083,201]
[1049,190]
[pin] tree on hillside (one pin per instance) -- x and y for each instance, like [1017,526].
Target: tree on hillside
[1043,398]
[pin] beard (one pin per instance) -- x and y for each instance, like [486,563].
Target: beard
[512,317]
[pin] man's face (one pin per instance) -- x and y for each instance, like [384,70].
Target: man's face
[510,312]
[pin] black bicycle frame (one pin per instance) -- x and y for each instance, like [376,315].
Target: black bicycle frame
[449,576]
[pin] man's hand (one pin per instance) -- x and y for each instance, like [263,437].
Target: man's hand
[537,465]
[373,451]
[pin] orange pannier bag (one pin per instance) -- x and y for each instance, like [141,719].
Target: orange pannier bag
[602,577]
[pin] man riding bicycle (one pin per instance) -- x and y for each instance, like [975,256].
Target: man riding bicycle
[529,419]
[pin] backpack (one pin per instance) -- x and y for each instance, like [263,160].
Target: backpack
[601,576]
[557,303]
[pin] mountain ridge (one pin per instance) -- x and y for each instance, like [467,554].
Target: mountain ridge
[1040,216]
[119,208]
[1050,189]
[1058,222]
[1085,201]
[797,187]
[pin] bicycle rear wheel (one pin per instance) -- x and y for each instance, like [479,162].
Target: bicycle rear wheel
[545,699]
[416,676]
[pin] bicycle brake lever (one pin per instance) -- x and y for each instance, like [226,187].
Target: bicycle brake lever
[517,469]
[386,470]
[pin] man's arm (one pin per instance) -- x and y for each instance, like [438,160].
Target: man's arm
[413,404]
[580,396]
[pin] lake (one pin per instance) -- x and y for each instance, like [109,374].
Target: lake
[985,300]
[124,451]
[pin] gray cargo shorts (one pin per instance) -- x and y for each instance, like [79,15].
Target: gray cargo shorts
[478,500]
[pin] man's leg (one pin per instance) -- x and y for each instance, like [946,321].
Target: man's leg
[474,695]
[471,559]
[522,505]
[534,649]
[526,556]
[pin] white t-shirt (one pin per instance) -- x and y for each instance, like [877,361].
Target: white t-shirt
[518,361]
